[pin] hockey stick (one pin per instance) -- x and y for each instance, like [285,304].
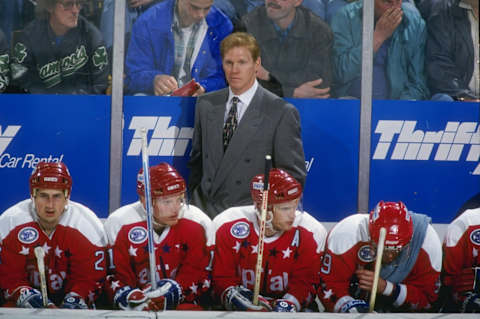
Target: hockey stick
[40,255]
[148,208]
[261,235]
[378,265]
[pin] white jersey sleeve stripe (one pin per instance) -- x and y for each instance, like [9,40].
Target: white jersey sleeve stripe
[433,247]
[460,225]
[402,296]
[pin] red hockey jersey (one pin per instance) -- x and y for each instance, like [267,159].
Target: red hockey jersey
[461,247]
[291,259]
[348,248]
[182,251]
[74,253]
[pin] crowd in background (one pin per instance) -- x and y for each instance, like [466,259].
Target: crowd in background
[423,49]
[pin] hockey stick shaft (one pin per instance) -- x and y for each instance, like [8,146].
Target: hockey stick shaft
[40,254]
[261,235]
[149,210]
[378,266]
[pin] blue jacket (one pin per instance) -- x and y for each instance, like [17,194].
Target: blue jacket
[406,53]
[151,49]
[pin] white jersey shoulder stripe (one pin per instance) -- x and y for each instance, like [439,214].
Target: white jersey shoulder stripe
[125,215]
[196,215]
[311,224]
[347,233]
[459,226]
[234,213]
[433,247]
[86,222]
[14,216]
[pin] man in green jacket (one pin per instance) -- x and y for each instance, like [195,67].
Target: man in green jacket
[399,51]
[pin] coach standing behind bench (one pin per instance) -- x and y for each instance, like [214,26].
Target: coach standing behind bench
[229,146]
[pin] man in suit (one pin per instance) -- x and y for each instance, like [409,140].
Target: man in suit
[229,148]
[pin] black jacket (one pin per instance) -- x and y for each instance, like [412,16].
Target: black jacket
[78,65]
[450,55]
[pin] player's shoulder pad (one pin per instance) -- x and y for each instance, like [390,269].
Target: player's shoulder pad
[311,224]
[14,216]
[457,228]
[347,233]
[84,220]
[233,213]
[433,247]
[125,215]
[195,214]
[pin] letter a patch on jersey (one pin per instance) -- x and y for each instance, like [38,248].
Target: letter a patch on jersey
[296,239]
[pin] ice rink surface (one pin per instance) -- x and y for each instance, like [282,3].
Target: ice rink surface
[74,314]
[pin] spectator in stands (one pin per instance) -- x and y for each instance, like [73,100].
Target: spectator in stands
[236,9]
[92,11]
[60,52]
[15,15]
[176,41]
[296,49]
[411,262]
[452,52]
[4,63]
[332,6]
[134,9]
[461,263]
[398,45]
[236,127]
[427,7]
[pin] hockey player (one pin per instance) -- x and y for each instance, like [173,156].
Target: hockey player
[183,236]
[293,245]
[461,263]
[60,52]
[71,236]
[411,263]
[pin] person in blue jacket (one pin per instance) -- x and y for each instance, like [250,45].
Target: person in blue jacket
[174,42]
[399,41]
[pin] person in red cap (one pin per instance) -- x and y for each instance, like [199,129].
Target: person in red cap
[71,236]
[293,245]
[410,273]
[182,241]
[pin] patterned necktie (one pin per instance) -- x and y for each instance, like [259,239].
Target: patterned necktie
[230,124]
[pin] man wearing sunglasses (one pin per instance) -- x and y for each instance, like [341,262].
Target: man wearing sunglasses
[410,273]
[60,52]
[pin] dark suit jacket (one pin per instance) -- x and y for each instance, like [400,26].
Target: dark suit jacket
[270,125]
